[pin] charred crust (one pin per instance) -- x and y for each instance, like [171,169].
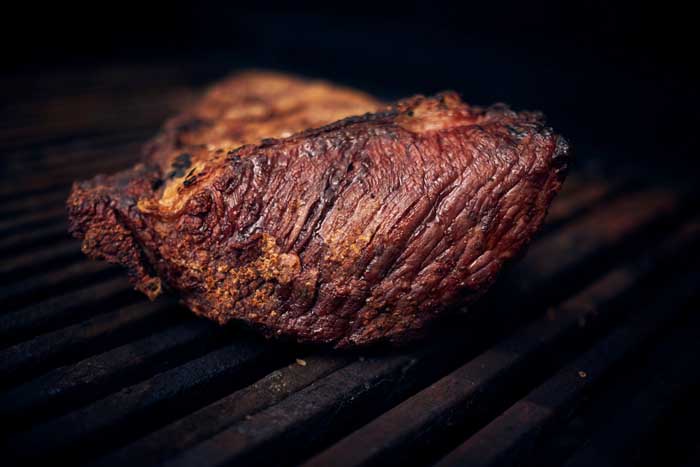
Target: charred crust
[180,165]
[562,156]
[516,132]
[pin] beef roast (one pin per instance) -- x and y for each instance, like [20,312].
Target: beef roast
[360,231]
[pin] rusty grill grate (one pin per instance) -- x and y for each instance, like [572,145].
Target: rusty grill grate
[586,353]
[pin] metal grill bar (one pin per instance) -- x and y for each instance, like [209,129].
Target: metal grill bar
[592,236]
[676,375]
[23,240]
[16,190]
[21,266]
[37,88]
[43,285]
[95,376]
[39,157]
[582,197]
[30,357]
[39,178]
[172,389]
[63,178]
[13,208]
[214,418]
[64,309]
[32,220]
[145,113]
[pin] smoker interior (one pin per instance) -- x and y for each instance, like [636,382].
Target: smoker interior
[585,353]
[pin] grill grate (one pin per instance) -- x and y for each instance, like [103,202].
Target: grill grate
[582,354]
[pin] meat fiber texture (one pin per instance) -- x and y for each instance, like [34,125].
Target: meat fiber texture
[318,213]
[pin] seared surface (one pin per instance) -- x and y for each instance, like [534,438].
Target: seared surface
[245,109]
[353,233]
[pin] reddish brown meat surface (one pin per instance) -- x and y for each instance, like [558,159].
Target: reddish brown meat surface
[356,232]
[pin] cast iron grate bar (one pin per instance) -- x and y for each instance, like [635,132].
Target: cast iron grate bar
[145,113]
[621,441]
[22,241]
[59,347]
[46,284]
[210,420]
[76,152]
[32,220]
[23,265]
[17,207]
[64,387]
[166,394]
[65,309]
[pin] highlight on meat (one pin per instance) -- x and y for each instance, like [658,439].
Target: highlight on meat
[318,213]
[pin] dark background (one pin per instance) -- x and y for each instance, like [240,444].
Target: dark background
[616,77]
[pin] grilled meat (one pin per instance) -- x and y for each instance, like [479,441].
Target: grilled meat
[356,232]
